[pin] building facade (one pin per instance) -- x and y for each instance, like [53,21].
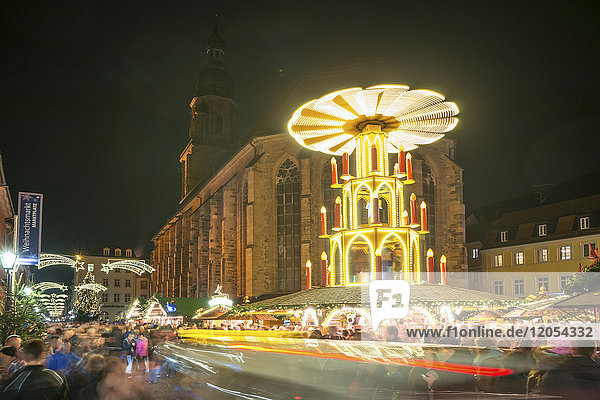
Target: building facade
[248,219]
[123,286]
[7,214]
[538,248]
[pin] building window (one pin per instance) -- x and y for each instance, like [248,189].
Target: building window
[504,236]
[587,249]
[519,258]
[116,298]
[105,282]
[564,253]
[127,282]
[127,297]
[498,287]
[542,230]
[288,227]
[128,253]
[106,251]
[497,260]
[144,285]
[542,283]
[429,198]
[584,223]
[541,255]
[105,297]
[519,286]
[117,282]
[475,253]
[118,252]
[562,282]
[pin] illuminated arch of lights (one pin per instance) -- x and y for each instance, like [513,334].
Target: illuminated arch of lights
[54,303]
[310,314]
[44,286]
[137,267]
[344,311]
[47,260]
[91,286]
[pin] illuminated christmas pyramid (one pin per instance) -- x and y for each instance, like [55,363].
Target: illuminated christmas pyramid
[375,236]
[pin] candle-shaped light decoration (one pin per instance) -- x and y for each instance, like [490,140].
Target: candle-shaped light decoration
[375,208]
[338,214]
[345,165]
[334,172]
[443,270]
[409,171]
[378,266]
[404,218]
[396,169]
[401,161]
[308,274]
[324,271]
[413,210]
[430,274]
[423,216]
[323,221]
[374,158]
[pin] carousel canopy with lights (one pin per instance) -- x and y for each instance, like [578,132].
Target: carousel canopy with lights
[374,235]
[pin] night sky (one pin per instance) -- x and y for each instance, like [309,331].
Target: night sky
[95,96]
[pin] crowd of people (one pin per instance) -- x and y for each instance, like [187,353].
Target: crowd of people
[111,361]
[87,361]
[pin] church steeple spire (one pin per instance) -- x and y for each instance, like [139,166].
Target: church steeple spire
[214,79]
[215,47]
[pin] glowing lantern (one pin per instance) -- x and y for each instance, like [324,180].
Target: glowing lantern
[430,276]
[308,274]
[334,173]
[338,214]
[324,280]
[443,270]
[323,221]
[413,211]
[409,171]
[423,218]
[401,161]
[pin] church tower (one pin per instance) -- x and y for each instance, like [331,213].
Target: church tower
[212,114]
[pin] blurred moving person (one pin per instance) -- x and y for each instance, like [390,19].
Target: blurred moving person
[35,381]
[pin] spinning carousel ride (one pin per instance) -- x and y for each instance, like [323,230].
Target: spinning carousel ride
[370,220]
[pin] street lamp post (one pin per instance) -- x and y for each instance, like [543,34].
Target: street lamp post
[9,263]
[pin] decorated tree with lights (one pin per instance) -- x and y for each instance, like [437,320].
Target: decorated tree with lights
[23,318]
[87,303]
[587,278]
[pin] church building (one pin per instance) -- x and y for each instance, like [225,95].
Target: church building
[249,214]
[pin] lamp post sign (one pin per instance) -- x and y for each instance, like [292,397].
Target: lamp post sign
[29,237]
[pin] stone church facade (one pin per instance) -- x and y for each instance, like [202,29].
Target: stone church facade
[252,221]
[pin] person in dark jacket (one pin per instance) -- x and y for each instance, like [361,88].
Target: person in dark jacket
[35,381]
[576,378]
[129,350]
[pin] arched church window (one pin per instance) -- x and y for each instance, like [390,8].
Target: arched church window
[219,125]
[288,226]
[429,198]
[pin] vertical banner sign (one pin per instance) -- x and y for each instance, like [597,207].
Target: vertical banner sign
[29,238]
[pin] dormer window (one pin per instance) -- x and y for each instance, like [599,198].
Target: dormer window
[118,252]
[504,236]
[128,253]
[584,223]
[542,230]
[106,251]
